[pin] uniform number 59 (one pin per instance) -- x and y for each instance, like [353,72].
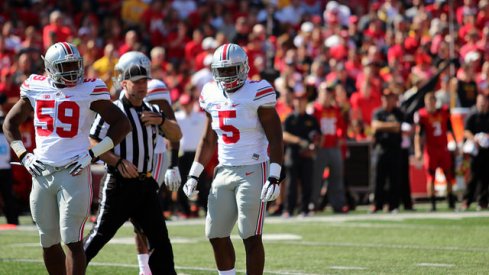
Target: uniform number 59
[67,112]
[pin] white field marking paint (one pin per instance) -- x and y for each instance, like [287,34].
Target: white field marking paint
[130,240]
[386,216]
[348,267]
[176,267]
[274,237]
[391,246]
[435,265]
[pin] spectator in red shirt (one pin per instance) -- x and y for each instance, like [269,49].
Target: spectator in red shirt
[32,40]
[56,31]
[194,47]
[131,42]
[483,14]
[209,44]
[158,64]
[176,41]
[367,98]
[333,130]
[153,19]
[471,44]
[434,125]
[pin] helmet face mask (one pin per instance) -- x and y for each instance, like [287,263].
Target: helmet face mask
[230,67]
[64,64]
[126,61]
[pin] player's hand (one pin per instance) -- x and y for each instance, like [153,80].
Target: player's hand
[190,187]
[271,190]
[79,163]
[151,118]
[127,169]
[173,179]
[33,165]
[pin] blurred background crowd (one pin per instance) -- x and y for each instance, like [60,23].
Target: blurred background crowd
[345,54]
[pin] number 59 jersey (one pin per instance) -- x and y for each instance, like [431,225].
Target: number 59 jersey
[62,117]
[241,139]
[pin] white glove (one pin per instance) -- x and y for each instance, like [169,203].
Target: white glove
[190,187]
[33,165]
[271,190]
[173,179]
[482,139]
[79,163]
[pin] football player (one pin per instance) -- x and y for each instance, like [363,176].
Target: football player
[64,105]
[242,124]
[434,124]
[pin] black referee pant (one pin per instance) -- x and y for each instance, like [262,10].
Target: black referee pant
[135,199]
[387,172]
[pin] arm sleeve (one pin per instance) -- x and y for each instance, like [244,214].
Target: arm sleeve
[202,97]
[99,91]
[25,89]
[265,95]
[157,90]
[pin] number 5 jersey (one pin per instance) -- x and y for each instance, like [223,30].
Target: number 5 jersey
[62,116]
[241,139]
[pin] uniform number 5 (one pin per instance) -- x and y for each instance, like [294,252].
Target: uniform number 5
[231,134]
[68,113]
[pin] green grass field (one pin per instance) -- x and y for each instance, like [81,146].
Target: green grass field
[404,243]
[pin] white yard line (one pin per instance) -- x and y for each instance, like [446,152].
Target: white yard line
[348,267]
[392,246]
[435,265]
[383,217]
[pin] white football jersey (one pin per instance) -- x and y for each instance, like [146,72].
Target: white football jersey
[62,117]
[157,90]
[241,139]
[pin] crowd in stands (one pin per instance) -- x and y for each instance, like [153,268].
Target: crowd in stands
[357,48]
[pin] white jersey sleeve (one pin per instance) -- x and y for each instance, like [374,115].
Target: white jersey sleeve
[99,90]
[62,116]
[265,95]
[204,95]
[157,90]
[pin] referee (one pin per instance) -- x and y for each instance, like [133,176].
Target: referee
[129,191]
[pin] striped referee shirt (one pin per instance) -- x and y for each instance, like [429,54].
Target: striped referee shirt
[138,146]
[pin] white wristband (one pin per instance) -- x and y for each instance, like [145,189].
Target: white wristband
[18,147]
[275,169]
[196,169]
[105,145]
